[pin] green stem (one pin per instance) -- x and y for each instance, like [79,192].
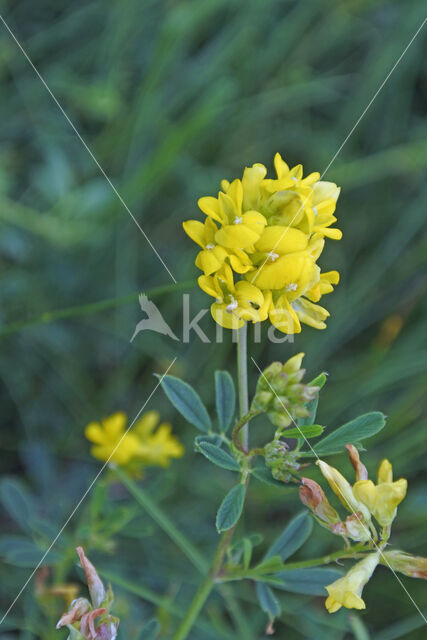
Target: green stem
[342,554]
[162,520]
[195,608]
[213,576]
[92,307]
[242,379]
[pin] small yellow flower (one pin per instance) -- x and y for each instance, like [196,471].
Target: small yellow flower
[272,231]
[235,302]
[382,499]
[146,443]
[347,591]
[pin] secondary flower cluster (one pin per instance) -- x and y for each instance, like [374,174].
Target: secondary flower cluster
[259,247]
[91,620]
[366,501]
[282,395]
[146,443]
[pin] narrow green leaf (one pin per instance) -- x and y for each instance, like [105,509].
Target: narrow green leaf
[225,397]
[231,508]
[293,537]
[309,581]
[186,401]
[267,600]
[306,431]
[218,456]
[356,430]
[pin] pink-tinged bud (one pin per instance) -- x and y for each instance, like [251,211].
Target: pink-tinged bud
[353,528]
[94,582]
[79,608]
[87,624]
[312,495]
[409,565]
[360,469]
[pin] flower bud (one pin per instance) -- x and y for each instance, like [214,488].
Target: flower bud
[360,469]
[409,565]
[280,460]
[281,394]
[312,495]
[82,615]
[343,490]
[78,609]
[94,582]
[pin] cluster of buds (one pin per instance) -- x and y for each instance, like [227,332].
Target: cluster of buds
[281,461]
[91,620]
[281,394]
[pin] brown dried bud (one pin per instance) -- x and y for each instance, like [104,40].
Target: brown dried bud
[79,608]
[94,582]
[312,495]
[360,469]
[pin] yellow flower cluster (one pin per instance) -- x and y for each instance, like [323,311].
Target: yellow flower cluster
[364,500]
[269,233]
[147,443]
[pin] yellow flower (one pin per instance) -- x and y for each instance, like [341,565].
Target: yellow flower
[235,303]
[143,444]
[382,499]
[273,231]
[347,591]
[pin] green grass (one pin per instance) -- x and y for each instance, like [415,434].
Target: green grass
[171,97]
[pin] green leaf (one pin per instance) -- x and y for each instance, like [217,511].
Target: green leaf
[213,439]
[268,600]
[21,552]
[218,456]
[225,397]
[356,430]
[306,431]
[293,537]
[150,630]
[308,581]
[17,501]
[186,401]
[231,508]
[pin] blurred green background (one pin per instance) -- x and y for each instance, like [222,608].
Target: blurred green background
[171,97]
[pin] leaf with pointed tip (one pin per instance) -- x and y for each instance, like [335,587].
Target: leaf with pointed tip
[218,456]
[187,401]
[231,508]
[225,397]
[356,430]
[293,537]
